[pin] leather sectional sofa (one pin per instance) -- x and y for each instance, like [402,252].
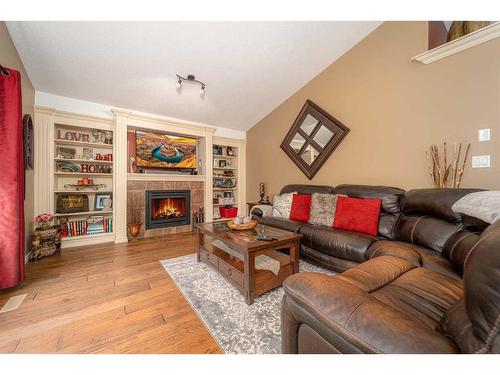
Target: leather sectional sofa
[428,283]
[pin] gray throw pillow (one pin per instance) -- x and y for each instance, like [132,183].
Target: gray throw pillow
[323,209]
[282,205]
[484,205]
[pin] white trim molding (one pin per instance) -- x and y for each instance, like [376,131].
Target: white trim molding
[465,42]
[120,146]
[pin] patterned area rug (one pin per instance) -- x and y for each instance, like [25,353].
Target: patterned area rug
[237,327]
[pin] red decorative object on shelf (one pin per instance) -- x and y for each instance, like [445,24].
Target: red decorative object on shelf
[228,212]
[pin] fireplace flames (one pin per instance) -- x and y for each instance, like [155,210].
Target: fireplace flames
[168,209]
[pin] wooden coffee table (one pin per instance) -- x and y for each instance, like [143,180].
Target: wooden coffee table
[239,267]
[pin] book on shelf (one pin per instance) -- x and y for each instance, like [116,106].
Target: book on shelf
[92,225]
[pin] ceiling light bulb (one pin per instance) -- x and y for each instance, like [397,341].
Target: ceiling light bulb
[202,90]
[179,83]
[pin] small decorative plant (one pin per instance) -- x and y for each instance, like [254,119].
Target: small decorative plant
[44,221]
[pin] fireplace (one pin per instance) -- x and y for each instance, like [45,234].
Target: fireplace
[167,208]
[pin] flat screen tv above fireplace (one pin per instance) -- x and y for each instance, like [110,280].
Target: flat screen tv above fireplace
[167,208]
[167,151]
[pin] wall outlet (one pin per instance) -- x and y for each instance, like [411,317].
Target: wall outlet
[484,135]
[481,161]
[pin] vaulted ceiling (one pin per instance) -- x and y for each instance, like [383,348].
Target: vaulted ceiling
[249,67]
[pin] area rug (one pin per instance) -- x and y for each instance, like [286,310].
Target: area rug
[237,327]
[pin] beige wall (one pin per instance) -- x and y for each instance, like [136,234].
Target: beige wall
[10,59]
[395,108]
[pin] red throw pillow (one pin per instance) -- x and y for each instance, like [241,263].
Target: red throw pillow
[357,215]
[301,205]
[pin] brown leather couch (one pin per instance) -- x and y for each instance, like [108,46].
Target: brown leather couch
[427,284]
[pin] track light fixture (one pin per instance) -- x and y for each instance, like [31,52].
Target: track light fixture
[191,79]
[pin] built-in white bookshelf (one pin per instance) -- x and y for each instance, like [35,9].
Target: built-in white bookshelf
[227,177]
[83,175]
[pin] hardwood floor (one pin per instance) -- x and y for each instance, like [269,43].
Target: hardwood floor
[105,299]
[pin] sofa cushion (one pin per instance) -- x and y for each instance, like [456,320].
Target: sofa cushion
[357,215]
[434,202]
[282,204]
[301,205]
[425,231]
[323,209]
[391,204]
[337,242]
[306,189]
[324,260]
[285,224]
[482,294]
[458,247]
[368,310]
[391,196]
[417,255]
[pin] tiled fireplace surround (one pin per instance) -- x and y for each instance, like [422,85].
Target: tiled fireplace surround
[136,197]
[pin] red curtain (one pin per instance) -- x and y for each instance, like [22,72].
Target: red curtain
[11,180]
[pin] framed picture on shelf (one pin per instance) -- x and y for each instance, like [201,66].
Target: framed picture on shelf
[66,153]
[88,153]
[229,151]
[222,163]
[217,150]
[102,201]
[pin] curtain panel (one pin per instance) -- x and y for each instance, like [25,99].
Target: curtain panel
[11,180]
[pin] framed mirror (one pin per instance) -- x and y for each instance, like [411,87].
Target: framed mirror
[314,135]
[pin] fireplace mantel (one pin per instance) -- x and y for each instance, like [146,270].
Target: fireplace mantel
[163,177]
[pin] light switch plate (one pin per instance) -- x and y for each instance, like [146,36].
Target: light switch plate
[484,135]
[481,161]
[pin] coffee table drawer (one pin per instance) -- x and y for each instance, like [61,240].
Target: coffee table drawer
[205,256]
[213,259]
[230,272]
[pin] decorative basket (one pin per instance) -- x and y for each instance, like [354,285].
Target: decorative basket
[45,242]
[252,224]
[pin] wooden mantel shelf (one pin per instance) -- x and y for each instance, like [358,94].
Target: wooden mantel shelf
[467,41]
[164,177]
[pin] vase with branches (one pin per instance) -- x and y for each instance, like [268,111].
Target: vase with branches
[446,171]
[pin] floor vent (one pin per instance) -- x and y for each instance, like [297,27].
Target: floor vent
[13,303]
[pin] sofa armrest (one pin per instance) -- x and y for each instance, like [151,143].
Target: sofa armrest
[261,210]
[344,314]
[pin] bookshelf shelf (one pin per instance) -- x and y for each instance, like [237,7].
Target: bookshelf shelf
[85,161]
[83,191]
[83,174]
[82,144]
[99,212]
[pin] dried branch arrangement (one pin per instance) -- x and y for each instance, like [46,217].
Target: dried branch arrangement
[445,173]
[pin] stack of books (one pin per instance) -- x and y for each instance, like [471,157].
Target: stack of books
[90,226]
[76,227]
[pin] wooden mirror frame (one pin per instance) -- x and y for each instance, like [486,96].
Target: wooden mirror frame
[338,129]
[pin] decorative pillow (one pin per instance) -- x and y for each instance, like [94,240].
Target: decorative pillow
[323,209]
[282,204]
[357,215]
[301,204]
[484,205]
